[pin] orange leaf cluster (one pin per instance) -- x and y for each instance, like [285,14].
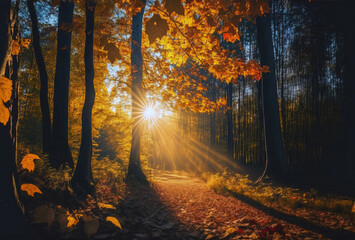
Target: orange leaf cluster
[28,162]
[30,189]
[5,95]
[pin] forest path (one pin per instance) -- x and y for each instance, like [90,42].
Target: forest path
[209,215]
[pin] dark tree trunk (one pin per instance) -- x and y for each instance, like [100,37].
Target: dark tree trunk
[230,120]
[12,221]
[60,153]
[138,97]
[277,164]
[213,114]
[349,97]
[82,180]
[46,119]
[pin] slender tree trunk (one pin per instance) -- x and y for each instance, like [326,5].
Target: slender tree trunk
[46,118]
[138,97]
[82,179]
[213,114]
[12,221]
[60,153]
[230,121]
[349,98]
[277,164]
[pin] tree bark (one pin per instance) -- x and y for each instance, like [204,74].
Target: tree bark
[12,221]
[138,98]
[230,121]
[349,97]
[46,118]
[82,180]
[60,153]
[277,164]
[213,114]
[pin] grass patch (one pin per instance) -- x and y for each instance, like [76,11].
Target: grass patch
[271,195]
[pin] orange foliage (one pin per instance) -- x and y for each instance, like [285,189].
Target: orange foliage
[27,162]
[30,189]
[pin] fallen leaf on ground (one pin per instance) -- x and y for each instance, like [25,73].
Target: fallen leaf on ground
[114,221]
[104,205]
[72,221]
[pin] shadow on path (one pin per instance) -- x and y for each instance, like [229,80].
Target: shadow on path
[144,216]
[340,234]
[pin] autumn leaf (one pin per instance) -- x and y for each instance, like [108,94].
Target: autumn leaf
[25,43]
[114,221]
[5,95]
[156,27]
[230,37]
[72,221]
[15,47]
[231,232]
[104,205]
[30,189]
[174,6]
[27,162]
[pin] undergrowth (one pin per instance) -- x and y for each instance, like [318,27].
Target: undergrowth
[57,203]
[279,196]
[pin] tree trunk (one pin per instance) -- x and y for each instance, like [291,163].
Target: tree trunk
[230,121]
[277,164]
[46,119]
[12,221]
[60,153]
[82,180]
[349,98]
[138,98]
[213,114]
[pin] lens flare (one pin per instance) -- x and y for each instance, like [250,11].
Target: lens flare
[149,113]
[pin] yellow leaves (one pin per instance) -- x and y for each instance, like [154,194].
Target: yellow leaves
[156,27]
[30,189]
[114,221]
[105,205]
[25,43]
[222,102]
[72,221]
[200,87]
[15,47]
[5,95]
[73,218]
[5,89]
[27,162]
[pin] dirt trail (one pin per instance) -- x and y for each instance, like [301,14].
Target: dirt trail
[215,216]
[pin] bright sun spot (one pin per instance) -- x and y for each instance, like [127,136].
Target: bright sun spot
[149,113]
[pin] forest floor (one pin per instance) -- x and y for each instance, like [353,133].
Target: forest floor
[178,206]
